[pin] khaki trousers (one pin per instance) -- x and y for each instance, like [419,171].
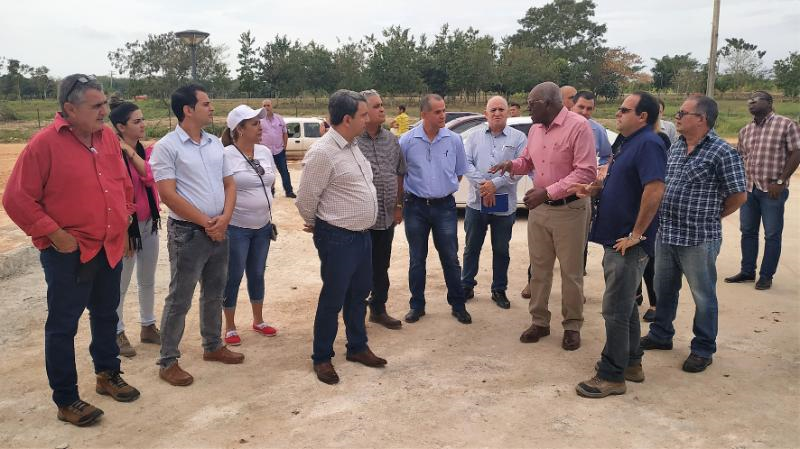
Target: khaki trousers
[558,232]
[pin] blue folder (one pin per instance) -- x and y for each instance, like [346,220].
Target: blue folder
[500,204]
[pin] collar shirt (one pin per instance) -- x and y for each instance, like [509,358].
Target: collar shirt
[642,159]
[253,209]
[337,185]
[696,187]
[197,168]
[386,159]
[272,131]
[765,148]
[433,166]
[57,182]
[485,150]
[562,154]
[601,144]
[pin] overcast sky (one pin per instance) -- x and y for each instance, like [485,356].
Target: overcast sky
[69,36]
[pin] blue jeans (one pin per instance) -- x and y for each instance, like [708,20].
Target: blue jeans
[698,264]
[66,300]
[283,169]
[761,208]
[346,271]
[439,217]
[620,311]
[475,224]
[248,254]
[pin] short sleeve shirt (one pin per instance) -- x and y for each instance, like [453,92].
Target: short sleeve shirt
[253,200]
[433,166]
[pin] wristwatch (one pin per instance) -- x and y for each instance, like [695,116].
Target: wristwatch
[779,181]
[641,237]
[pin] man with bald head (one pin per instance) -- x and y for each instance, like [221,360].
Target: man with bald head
[494,142]
[561,148]
[568,96]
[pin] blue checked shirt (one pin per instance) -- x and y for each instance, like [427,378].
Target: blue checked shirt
[696,187]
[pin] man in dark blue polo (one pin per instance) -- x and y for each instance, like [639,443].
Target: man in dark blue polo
[436,161]
[625,226]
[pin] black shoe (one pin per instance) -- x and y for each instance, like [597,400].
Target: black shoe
[763,283]
[648,343]
[740,277]
[639,300]
[501,300]
[414,315]
[469,293]
[291,195]
[649,316]
[462,316]
[695,364]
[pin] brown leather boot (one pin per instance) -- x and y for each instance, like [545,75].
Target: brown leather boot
[366,357]
[150,334]
[385,320]
[79,413]
[534,333]
[176,376]
[326,373]
[111,383]
[224,355]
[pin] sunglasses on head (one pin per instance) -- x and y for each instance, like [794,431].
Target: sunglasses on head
[82,80]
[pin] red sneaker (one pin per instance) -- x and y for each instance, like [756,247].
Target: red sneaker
[265,329]
[232,338]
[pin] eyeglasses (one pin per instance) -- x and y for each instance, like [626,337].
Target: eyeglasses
[623,110]
[257,167]
[80,79]
[680,114]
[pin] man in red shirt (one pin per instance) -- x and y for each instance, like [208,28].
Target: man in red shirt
[70,192]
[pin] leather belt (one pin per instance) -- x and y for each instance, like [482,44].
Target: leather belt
[428,201]
[562,201]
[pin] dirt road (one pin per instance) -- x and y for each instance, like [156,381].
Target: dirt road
[446,384]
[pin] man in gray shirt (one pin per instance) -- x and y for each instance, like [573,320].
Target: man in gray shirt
[382,150]
[338,203]
[197,186]
[493,143]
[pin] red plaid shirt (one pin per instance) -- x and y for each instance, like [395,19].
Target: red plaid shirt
[765,148]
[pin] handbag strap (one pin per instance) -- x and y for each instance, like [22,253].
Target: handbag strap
[263,186]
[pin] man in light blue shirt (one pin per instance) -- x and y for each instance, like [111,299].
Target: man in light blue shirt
[436,162]
[197,185]
[493,143]
[584,105]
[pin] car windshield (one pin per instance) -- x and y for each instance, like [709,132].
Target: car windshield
[311,129]
[293,129]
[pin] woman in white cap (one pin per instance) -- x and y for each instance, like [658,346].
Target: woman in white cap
[251,227]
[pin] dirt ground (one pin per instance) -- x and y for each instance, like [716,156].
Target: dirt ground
[446,384]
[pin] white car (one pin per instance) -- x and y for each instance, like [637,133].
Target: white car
[522,124]
[303,131]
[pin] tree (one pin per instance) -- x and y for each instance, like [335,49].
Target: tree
[318,64]
[350,63]
[393,62]
[743,61]
[667,67]
[614,68]
[281,67]
[520,68]
[565,30]
[787,74]
[41,81]
[248,61]
[162,62]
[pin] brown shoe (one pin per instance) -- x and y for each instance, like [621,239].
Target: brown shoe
[571,341]
[633,373]
[326,373]
[224,355]
[79,413]
[385,320]
[526,292]
[534,333]
[150,334]
[124,345]
[599,388]
[111,383]
[366,357]
[176,376]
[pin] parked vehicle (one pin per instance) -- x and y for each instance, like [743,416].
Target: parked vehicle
[303,131]
[522,124]
[452,116]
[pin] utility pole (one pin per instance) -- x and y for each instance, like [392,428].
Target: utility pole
[712,57]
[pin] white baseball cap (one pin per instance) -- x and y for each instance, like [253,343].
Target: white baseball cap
[243,112]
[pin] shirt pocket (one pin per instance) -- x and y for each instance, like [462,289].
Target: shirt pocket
[699,172]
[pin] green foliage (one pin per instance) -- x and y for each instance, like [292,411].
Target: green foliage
[787,74]
[248,60]
[393,61]
[520,68]
[742,62]
[668,67]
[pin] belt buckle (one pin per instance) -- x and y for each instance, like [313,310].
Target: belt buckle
[428,201]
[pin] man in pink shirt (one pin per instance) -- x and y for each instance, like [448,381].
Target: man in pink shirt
[561,150]
[275,136]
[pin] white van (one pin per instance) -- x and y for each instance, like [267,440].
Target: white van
[303,131]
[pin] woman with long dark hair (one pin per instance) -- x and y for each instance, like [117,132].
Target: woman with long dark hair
[142,246]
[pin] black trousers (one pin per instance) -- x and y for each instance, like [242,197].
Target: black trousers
[381,256]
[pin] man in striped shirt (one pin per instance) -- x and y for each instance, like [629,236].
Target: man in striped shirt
[769,146]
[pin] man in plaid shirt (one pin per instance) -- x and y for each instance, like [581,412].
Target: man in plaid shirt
[769,146]
[705,182]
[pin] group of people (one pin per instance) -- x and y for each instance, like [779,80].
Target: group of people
[648,197]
